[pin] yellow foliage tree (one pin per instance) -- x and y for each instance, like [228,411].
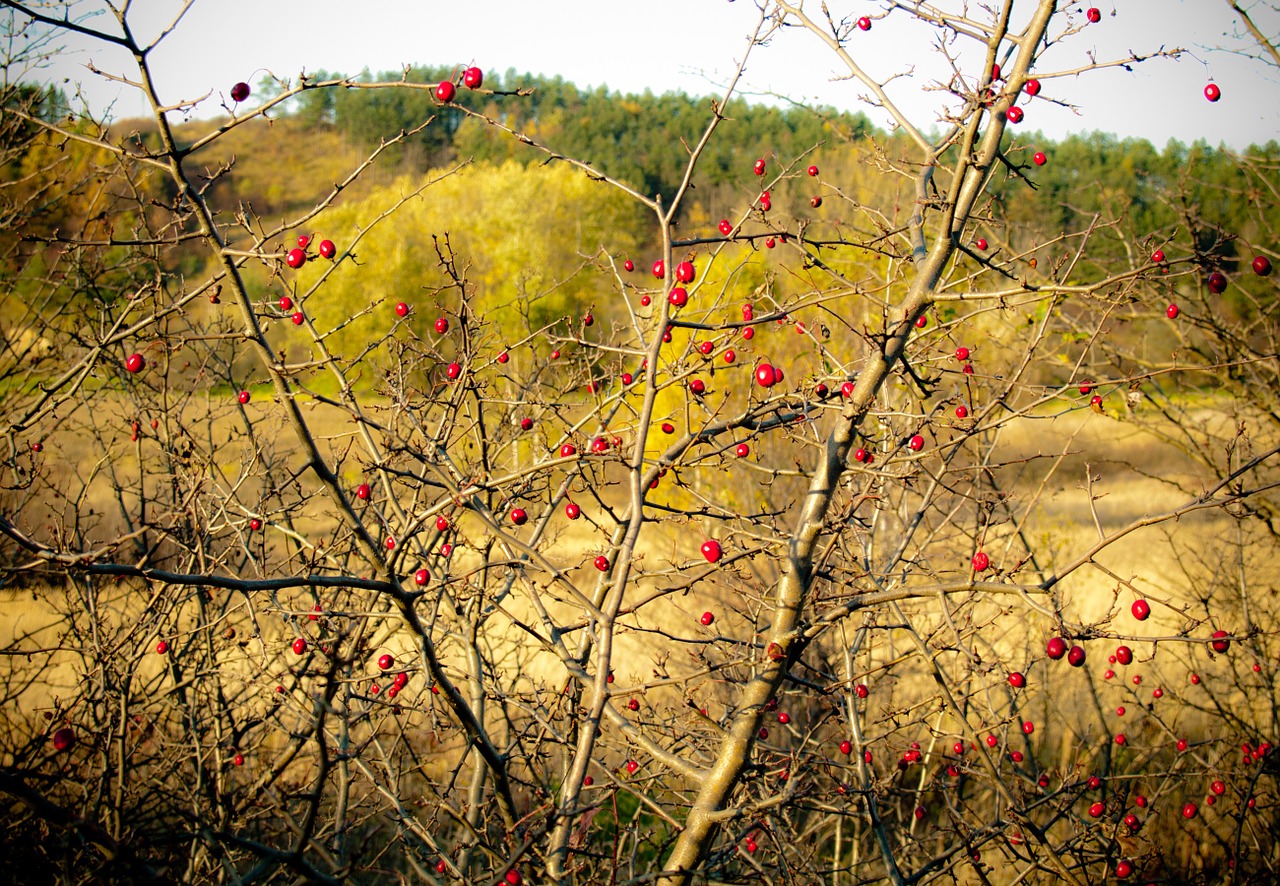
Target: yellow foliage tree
[520,238]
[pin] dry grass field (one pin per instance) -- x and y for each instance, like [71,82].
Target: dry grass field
[55,639]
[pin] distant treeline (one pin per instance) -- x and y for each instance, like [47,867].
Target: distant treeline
[644,140]
[278,169]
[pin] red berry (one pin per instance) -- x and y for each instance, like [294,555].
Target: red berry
[628,265]
[602,563]
[299,646]
[162,647]
[1017,680]
[1220,644]
[815,201]
[240,92]
[1040,159]
[1124,655]
[386,662]
[1141,609]
[135,363]
[421,577]
[1190,810]
[327,249]
[980,561]
[1031,87]
[1212,92]
[981,243]
[1262,265]
[63,739]
[297,318]
[446,91]
[916,443]
[363,491]
[659,269]
[726,227]
[743,450]
[473,78]
[711,550]
[295,258]
[766,375]
[518,516]
[1171,312]
[1075,657]
[864,23]
[707,618]
[1056,648]
[846,747]
[1093,15]
[1014,114]
[1158,256]
[685,272]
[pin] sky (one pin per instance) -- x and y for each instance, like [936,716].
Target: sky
[694,46]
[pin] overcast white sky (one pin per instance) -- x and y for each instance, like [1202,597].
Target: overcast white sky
[692,45]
